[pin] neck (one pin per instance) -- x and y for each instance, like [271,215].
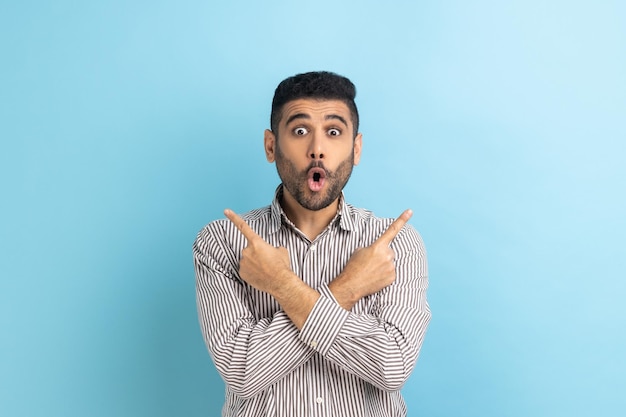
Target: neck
[309,222]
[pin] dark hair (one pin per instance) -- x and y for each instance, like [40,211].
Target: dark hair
[322,85]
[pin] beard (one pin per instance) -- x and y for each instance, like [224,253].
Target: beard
[296,182]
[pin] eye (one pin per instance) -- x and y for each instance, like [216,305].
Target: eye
[334,132]
[300,131]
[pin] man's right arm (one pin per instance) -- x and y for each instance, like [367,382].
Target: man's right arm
[380,345]
[250,353]
[375,262]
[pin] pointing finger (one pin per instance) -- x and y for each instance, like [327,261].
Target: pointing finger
[241,225]
[395,227]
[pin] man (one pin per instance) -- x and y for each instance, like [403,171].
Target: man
[311,307]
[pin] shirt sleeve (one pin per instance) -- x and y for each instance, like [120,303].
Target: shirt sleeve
[250,353]
[380,346]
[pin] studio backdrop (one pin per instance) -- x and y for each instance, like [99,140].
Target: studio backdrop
[126,126]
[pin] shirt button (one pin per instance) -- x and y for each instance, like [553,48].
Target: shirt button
[313,247]
[313,344]
[319,400]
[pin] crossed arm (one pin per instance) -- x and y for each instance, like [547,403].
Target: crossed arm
[380,347]
[267,269]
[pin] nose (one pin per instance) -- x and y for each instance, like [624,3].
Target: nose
[316,150]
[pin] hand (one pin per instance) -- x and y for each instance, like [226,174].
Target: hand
[267,269]
[263,266]
[370,269]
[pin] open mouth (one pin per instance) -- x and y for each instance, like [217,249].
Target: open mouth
[316,179]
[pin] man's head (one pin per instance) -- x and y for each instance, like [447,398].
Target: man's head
[314,139]
[318,85]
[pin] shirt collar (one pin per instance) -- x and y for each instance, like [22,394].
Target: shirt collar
[343,217]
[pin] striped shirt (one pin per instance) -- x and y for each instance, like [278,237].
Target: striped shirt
[341,363]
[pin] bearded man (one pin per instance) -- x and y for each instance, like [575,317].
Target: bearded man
[310,306]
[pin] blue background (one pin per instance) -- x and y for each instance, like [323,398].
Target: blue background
[126,126]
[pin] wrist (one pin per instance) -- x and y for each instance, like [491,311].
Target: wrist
[286,283]
[346,294]
[296,298]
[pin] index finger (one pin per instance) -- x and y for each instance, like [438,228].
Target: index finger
[241,225]
[395,227]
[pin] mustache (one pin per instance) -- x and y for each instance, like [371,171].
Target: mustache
[317,164]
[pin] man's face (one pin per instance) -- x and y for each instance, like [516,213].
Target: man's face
[315,150]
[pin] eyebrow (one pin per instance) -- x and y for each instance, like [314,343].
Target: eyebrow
[306,116]
[297,116]
[336,117]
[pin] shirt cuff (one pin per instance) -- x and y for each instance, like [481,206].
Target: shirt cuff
[324,323]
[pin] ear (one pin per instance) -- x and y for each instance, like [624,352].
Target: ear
[270,146]
[358,142]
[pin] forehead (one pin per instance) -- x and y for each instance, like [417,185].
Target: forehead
[316,109]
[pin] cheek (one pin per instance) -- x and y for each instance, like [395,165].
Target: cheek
[289,149]
[348,152]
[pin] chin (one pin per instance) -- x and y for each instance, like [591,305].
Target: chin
[317,204]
